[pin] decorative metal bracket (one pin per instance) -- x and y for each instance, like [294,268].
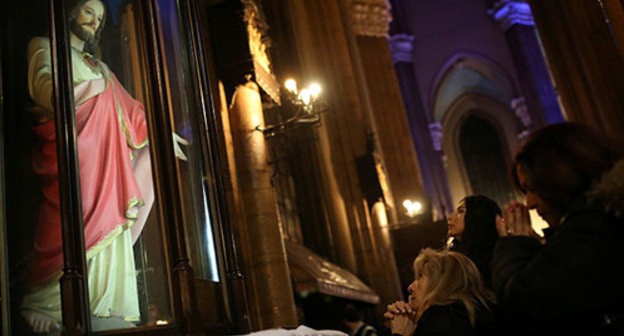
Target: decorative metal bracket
[301,107]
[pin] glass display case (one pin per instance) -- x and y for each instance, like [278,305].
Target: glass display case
[106,123]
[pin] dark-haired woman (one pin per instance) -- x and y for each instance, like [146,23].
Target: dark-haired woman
[472,231]
[573,284]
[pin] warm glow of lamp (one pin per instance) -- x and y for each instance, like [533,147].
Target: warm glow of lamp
[315,89]
[305,96]
[256,118]
[412,208]
[537,223]
[303,107]
[291,85]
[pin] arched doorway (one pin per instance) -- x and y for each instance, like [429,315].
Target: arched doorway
[483,158]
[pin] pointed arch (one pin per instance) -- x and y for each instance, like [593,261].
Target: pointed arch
[485,108]
[465,73]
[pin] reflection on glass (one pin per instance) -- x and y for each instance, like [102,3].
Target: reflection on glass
[211,272]
[115,178]
[193,177]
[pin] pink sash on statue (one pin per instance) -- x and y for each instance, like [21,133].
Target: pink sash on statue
[109,126]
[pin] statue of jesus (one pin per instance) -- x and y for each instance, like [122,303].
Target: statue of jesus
[115,178]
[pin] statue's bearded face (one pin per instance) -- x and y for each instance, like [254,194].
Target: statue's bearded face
[88,20]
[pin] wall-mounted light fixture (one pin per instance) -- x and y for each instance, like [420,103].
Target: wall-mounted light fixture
[298,107]
[412,208]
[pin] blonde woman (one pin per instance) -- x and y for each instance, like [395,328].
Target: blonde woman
[447,297]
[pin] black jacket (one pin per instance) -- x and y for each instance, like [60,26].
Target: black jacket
[453,320]
[480,255]
[574,283]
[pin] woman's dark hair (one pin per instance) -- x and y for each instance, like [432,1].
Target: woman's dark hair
[480,235]
[562,161]
[73,6]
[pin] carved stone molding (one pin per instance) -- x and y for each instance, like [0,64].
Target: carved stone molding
[401,48]
[521,110]
[435,130]
[259,43]
[510,12]
[371,17]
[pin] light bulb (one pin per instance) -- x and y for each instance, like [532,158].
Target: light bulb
[305,97]
[315,89]
[291,85]
[412,208]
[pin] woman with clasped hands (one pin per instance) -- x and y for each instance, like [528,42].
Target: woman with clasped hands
[572,283]
[447,297]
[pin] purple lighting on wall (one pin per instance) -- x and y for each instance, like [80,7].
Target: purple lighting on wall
[508,13]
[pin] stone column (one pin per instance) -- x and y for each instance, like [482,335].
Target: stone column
[429,155]
[388,119]
[384,248]
[339,225]
[400,177]
[516,20]
[322,52]
[271,296]
[585,62]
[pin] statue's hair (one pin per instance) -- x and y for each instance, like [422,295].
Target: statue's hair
[451,277]
[73,7]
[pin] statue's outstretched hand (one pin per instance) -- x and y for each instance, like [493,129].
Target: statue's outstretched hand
[177,141]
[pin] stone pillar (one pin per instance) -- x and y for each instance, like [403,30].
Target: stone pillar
[384,251]
[271,295]
[313,48]
[516,20]
[585,62]
[429,155]
[326,50]
[339,225]
[400,177]
[323,53]
[388,118]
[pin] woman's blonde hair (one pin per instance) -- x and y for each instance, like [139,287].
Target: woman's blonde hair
[451,277]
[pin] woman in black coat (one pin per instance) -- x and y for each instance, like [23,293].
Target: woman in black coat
[573,283]
[472,231]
